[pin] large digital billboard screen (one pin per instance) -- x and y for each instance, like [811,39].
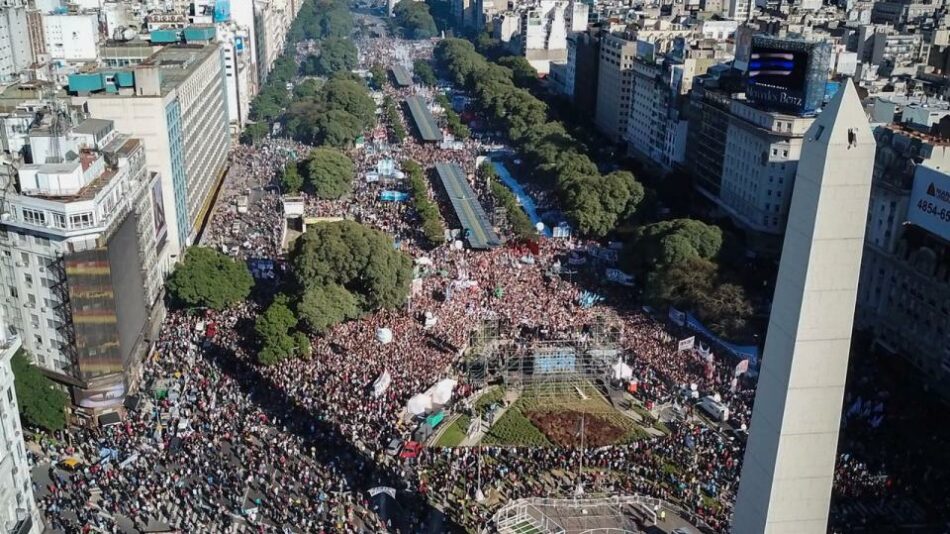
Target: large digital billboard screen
[786,74]
[930,201]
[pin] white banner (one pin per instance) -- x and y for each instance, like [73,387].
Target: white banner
[381,384]
[382,489]
[688,343]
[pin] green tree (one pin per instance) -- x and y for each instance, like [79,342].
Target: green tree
[424,72]
[336,54]
[665,243]
[290,180]
[208,278]
[254,132]
[352,97]
[379,76]
[274,330]
[41,403]
[523,73]
[359,258]
[323,306]
[329,173]
[414,19]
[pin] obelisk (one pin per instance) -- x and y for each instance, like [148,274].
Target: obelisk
[789,461]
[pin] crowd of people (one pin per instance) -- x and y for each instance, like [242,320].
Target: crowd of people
[219,441]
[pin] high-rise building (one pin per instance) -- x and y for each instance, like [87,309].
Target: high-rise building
[71,36]
[81,232]
[176,102]
[18,511]
[16,54]
[614,79]
[741,10]
[788,470]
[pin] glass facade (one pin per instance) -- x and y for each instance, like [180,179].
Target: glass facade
[176,147]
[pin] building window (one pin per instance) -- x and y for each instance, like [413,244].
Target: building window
[34,217]
[59,221]
[81,220]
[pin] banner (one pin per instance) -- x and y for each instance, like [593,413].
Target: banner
[750,352]
[381,384]
[382,489]
[677,316]
[687,344]
[742,367]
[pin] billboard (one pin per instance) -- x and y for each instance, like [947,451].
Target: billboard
[787,75]
[930,201]
[222,11]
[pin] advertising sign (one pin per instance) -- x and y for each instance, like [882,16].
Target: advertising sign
[930,201]
[222,11]
[787,74]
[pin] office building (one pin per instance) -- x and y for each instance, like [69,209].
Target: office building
[18,511]
[271,23]
[81,232]
[741,10]
[789,464]
[176,102]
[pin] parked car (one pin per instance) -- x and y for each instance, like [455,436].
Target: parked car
[411,450]
[394,446]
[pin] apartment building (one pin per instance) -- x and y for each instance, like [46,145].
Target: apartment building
[81,229]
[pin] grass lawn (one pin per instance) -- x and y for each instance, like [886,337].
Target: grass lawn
[455,433]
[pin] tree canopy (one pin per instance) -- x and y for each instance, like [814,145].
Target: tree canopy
[276,331]
[424,72]
[209,279]
[414,19]
[359,260]
[41,403]
[335,115]
[677,260]
[329,173]
[336,55]
[290,179]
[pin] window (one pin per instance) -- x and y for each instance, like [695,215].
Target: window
[34,217]
[81,220]
[38,340]
[59,220]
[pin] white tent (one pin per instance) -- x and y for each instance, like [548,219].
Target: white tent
[622,371]
[419,404]
[442,391]
[384,335]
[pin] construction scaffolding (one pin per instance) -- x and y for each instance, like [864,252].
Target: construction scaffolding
[540,364]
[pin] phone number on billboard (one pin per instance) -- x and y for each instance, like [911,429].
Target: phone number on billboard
[930,208]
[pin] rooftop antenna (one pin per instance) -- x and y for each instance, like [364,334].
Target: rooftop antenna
[59,124]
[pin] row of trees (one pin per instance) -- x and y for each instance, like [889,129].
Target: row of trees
[452,120]
[414,19]
[395,122]
[341,271]
[327,173]
[317,19]
[594,203]
[433,229]
[518,220]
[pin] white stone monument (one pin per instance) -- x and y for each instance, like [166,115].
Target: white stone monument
[790,456]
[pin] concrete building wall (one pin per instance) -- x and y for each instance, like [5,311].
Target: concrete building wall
[614,86]
[16,53]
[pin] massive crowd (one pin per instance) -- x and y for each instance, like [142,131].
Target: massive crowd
[220,441]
